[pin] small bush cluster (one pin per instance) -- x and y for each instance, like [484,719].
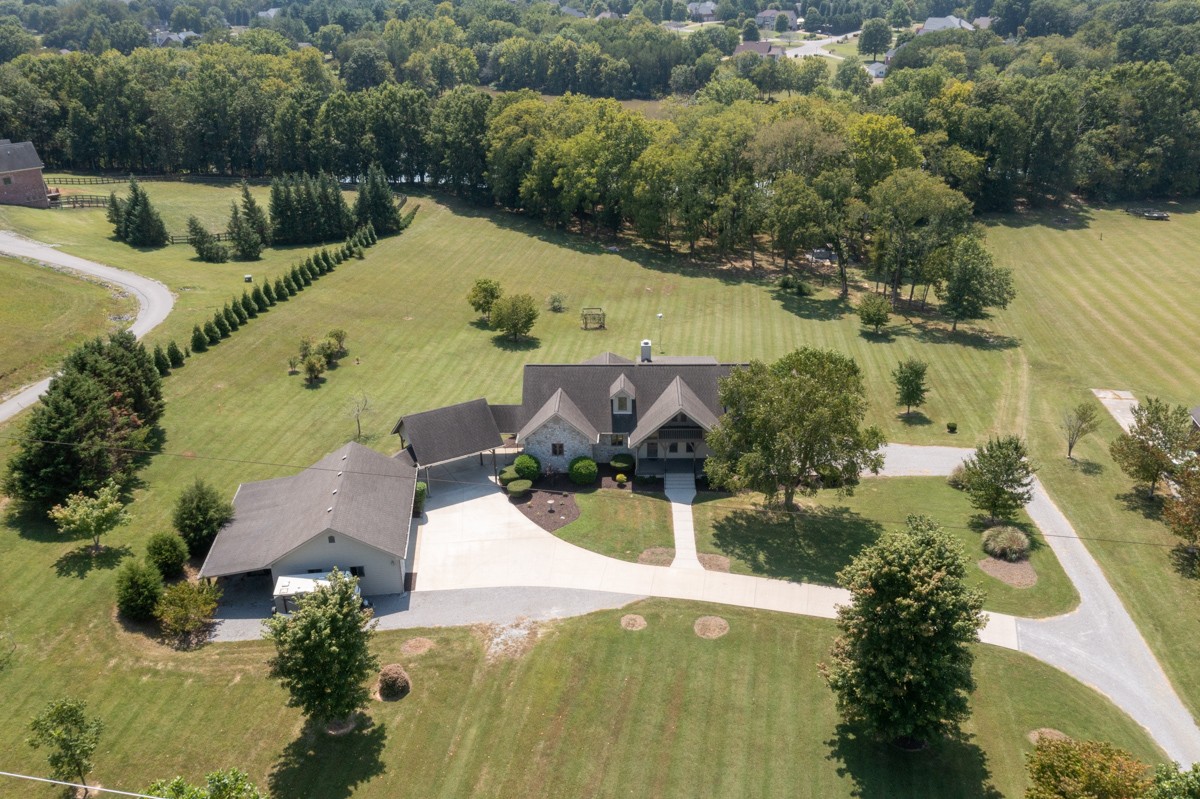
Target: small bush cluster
[508,474]
[622,463]
[794,285]
[557,302]
[419,498]
[394,682]
[167,552]
[519,488]
[621,478]
[139,587]
[957,479]
[185,608]
[527,467]
[317,356]
[582,471]
[1007,543]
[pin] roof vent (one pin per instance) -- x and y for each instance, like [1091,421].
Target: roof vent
[343,457]
[329,509]
[335,490]
[339,474]
[647,348]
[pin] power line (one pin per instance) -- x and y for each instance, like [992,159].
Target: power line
[87,788]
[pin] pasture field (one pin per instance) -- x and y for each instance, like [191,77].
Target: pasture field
[1114,314]
[45,314]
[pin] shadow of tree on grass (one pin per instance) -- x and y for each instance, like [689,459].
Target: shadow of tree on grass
[914,419]
[1138,501]
[808,546]
[325,766]
[953,768]
[82,560]
[504,342]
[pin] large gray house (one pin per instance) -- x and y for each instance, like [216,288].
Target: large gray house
[656,408]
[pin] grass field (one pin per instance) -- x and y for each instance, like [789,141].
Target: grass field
[620,524]
[47,313]
[1112,313]
[813,545]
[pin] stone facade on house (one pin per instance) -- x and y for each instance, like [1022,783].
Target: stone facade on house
[540,444]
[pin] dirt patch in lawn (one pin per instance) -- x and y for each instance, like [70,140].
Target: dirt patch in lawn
[714,563]
[657,556]
[549,510]
[416,646]
[1019,575]
[1047,734]
[632,621]
[508,641]
[710,627]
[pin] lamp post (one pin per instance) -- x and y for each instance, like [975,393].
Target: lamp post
[660,344]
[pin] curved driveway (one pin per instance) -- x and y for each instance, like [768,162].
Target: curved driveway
[153,298]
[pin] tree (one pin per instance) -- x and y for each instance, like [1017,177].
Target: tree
[851,77]
[974,283]
[910,384]
[1181,513]
[137,222]
[199,514]
[999,478]
[874,310]
[1079,421]
[314,367]
[207,247]
[360,406]
[750,31]
[338,337]
[898,15]
[375,204]
[781,23]
[1084,770]
[255,217]
[227,784]
[1172,783]
[91,516]
[139,586]
[187,608]
[791,424]
[514,315]
[14,41]
[167,552]
[199,340]
[1140,460]
[64,728]
[875,38]
[901,666]
[322,651]
[1162,436]
[161,362]
[174,355]
[246,241]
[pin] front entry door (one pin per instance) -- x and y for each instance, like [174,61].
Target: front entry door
[652,450]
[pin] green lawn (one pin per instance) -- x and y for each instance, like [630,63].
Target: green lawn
[1115,313]
[812,545]
[45,314]
[620,523]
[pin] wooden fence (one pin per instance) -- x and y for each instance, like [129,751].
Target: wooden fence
[186,239]
[80,201]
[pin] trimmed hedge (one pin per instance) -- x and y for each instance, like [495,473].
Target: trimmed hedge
[528,467]
[508,474]
[622,463]
[583,471]
[519,488]
[167,552]
[419,498]
[139,587]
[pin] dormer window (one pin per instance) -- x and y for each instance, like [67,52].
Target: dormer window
[621,404]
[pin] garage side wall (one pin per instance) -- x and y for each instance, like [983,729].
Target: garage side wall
[382,573]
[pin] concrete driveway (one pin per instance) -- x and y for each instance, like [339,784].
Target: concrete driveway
[1118,403]
[153,298]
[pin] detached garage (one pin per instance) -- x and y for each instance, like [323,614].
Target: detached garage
[352,509]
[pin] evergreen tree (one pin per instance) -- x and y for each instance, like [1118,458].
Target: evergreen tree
[207,247]
[300,278]
[375,203]
[372,236]
[252,212]
[281,290]
[160,361]
[999,478]
[259,295]
[328,259]
[125,369]
[282,207]
[289,285]
[199,340]
[246,242]
[239,311]
[174,355]
[141,226]
[115,213]
[212,334]
[200,513]
[222,326]
[230,318]
[249,306]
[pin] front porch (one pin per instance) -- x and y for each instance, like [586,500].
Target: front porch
[658,467]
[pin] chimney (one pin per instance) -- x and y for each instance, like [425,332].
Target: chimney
[647,348]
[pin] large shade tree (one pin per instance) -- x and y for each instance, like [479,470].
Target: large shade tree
[792,423]
[901,667]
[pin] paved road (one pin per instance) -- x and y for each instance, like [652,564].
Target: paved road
[817,47]
[153,298]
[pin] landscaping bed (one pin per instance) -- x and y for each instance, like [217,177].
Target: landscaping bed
[549,510]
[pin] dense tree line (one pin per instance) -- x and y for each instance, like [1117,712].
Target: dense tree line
[99,412]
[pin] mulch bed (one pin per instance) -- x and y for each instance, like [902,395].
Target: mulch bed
[714,563]
[710,627]
[657,556]
[632,621]
[1019,575]
[550,510]
[1047,733]
[416,646]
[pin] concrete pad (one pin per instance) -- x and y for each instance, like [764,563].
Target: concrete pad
[1000,630]
[1119,403]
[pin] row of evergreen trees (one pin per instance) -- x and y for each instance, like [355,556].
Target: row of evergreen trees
[307,209]
[99,413]
[135,220]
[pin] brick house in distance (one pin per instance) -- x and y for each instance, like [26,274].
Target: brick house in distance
[21,180]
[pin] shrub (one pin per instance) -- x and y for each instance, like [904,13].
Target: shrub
[621,479]
[139,586]
[222,325]
[160,361]
[622,463]
[519,488]
[951,427]
[174,355]
[211,334]
[200,513]
[187,608]
[394,682]
[557,302]
[527,467]
[958,477]
[1006,543]
[239,310]
[167,552]
[199,340]
[508,474]
[419,498]
[582,471]
[794,285]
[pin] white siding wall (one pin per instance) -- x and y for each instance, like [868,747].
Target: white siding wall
[538,444]
[383,573]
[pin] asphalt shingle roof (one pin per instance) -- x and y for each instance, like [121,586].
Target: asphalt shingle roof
[678,397]
[452,432]
[561,406]
[18,156]
[354,491]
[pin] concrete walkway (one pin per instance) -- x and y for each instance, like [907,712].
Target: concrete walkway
[153,298]
[681,491]
[1119,403]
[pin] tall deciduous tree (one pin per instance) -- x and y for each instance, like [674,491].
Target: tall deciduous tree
[91,516]
[64,728]
[790,421]
[515,315]
[875,38]
[911,388]
[322,651]
[1078,422]
[483,295]
[1182,511]
[225,784]
[974,283]
[874,311]
[901,667]
[1084,770]
[1161,437]
[999,479]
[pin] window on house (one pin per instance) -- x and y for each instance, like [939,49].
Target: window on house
[331,539]
[616,441]
[622,404]
[557,449]
[8,181]
[691,448]
[673,448]
[358,571]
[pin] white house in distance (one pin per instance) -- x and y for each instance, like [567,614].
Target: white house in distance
[352,509]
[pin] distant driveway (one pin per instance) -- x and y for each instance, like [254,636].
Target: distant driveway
[153,299]
[817,47]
